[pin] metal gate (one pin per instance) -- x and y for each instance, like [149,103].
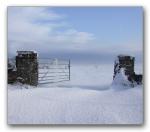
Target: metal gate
[53,70]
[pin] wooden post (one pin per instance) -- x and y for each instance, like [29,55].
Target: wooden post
[69,69]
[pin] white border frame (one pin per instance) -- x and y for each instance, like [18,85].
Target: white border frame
[3,60]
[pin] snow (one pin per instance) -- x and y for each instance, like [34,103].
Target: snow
[26,52]
[123,55]
[89,98]
[121,79]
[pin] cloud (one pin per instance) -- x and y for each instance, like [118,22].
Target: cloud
[40,28]
[72,36]
[79,37]
[33,13]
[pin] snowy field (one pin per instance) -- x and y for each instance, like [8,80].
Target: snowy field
[89,98]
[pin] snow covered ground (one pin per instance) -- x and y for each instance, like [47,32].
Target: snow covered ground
[89,98]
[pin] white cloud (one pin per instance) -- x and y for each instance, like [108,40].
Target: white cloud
[79,37]
[33,13]
[40,28]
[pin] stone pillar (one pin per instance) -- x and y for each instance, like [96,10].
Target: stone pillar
[126,62]
[27,67]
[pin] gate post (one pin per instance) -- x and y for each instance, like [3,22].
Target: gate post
[126,62]
[27,67]
[69,69]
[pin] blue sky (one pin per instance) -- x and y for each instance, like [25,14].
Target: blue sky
[106,21]
[80,33]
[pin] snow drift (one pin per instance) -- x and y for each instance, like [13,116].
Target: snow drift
[122,79]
